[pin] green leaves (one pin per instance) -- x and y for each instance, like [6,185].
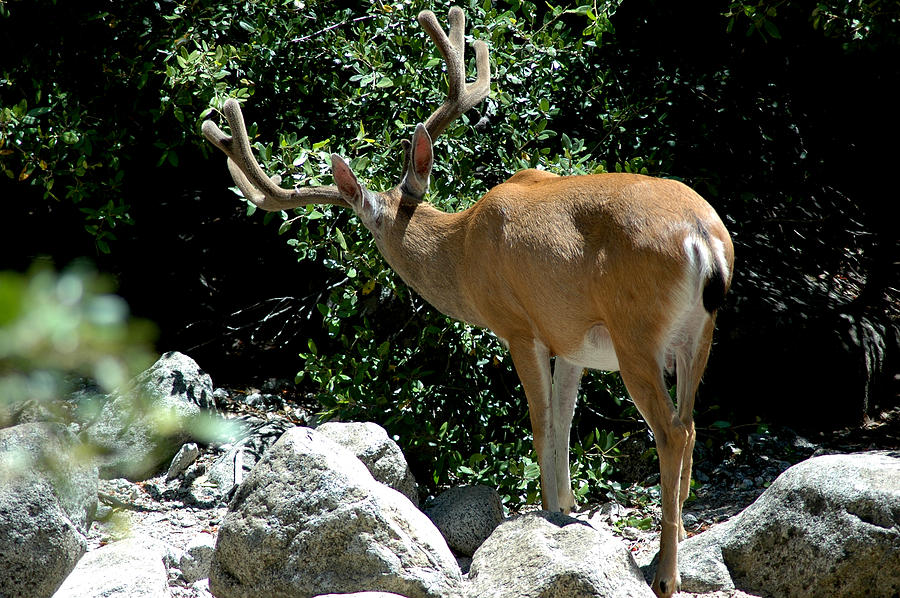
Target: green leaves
[59,133]
[759,15]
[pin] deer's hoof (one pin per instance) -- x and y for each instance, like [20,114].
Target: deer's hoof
[665,587]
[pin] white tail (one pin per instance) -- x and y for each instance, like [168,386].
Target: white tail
[611,271]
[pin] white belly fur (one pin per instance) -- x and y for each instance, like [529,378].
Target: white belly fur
[596,351]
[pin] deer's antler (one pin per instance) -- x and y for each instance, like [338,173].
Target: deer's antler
[266,192]
[461,96]
[263,191]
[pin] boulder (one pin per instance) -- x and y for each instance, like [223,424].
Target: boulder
[466,516]
[48,497]
[371,444]
[252,438]
[828,526]
[549,554]
[310,519]
[197,556]
[142,428]
[132,567]
[178,376]
[701,565]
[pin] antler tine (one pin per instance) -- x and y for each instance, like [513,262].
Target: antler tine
[460,96]
[263,191]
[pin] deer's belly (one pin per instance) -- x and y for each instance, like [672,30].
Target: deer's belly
[596,351]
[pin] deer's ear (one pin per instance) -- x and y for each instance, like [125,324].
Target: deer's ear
[421,159]
[422,153]
[346,182]
[406,145]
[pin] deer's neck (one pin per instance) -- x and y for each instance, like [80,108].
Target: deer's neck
[425,246]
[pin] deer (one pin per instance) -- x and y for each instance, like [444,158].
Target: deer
[615,272]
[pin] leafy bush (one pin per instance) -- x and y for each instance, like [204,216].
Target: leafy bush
[64,92]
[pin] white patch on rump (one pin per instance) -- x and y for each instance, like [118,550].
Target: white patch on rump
[688,314]
[697,253]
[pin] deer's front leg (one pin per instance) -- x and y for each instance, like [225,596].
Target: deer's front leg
[532,361]
[566,378]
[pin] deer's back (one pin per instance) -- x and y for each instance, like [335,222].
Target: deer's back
[566,253]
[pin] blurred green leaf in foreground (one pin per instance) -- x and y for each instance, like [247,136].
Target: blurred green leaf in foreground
[57,329]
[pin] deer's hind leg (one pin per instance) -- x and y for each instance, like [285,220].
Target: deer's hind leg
[690,364]
[643,377]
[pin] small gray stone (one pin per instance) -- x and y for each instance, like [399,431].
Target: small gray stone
[466,516]
[255,399]
[689,520]
[183,459]
[197,556]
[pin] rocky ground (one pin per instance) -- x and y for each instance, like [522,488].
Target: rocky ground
[731,474]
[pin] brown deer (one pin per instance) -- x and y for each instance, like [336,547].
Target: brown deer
[610,271]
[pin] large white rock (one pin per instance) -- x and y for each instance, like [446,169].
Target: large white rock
[829,526]
[549,554]
[48,497]
[132,567]
[310,519]
[371,444]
